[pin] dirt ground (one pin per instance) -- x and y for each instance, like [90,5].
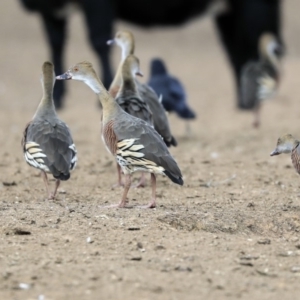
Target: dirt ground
[232,231]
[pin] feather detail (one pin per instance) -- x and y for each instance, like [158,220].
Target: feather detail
[109,137]
[49,147]
[267,87]
[296,158]
[33,155]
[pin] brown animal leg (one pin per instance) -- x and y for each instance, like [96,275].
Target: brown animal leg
[142,181]
[127,185]
[120,182]
[256,122]
[152,204]
[45,179]
[57,183]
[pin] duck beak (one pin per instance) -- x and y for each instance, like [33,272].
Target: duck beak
[111,42]
[65,76]
[139,73]
[275,152]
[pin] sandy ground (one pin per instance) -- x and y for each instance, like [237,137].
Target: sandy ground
[231,232]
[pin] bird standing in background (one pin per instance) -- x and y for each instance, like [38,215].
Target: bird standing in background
[129,99]
[172,91]
[47,142]
[288,144]
[125,40]
[134,143]
[259,80]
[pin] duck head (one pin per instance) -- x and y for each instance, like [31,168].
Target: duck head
[269,46]
[132,65]
[81,71]
[125,40]
[285,144]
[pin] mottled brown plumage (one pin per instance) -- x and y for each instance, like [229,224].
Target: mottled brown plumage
[128,96]
[109,136]
[125,40]
[47,142]
[139,146]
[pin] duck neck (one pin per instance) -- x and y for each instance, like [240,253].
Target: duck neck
[128,86]
[269,56]
[296,144]
[109,106]
[46,106]
[127,50]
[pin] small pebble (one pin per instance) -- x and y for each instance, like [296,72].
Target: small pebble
[264,241]
[89,240]
[24,286]
[295,269]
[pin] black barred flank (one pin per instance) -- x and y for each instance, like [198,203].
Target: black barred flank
[175,179]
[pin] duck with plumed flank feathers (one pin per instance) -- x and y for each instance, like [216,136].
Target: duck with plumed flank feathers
[125,40]
[129,99]
[47,142]
[133,142]
[259,80]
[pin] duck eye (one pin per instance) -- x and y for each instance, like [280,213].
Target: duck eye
[75,69]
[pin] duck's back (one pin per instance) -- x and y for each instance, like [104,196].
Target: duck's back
[142,147]
[160,120]
[48,146]
[136,107]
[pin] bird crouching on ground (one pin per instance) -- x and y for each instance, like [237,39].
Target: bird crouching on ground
[288,144]
[260,79]
[172,91]
[134,143]
[47,142]
[125,40]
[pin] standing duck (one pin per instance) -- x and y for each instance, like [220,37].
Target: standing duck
[47,142]
[125,40]
[259,80]
[134,143]
[288,144]
[129,99]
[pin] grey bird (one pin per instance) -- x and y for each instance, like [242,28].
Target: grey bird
[47,142]
[129,99]
[135,144]
[260,79]
[128,96]
[125,40]
[288,144]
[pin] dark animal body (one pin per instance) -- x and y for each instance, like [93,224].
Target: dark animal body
[239,27]
[172,91]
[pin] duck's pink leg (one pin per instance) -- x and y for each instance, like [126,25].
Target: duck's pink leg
[120,182]
[152,204]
